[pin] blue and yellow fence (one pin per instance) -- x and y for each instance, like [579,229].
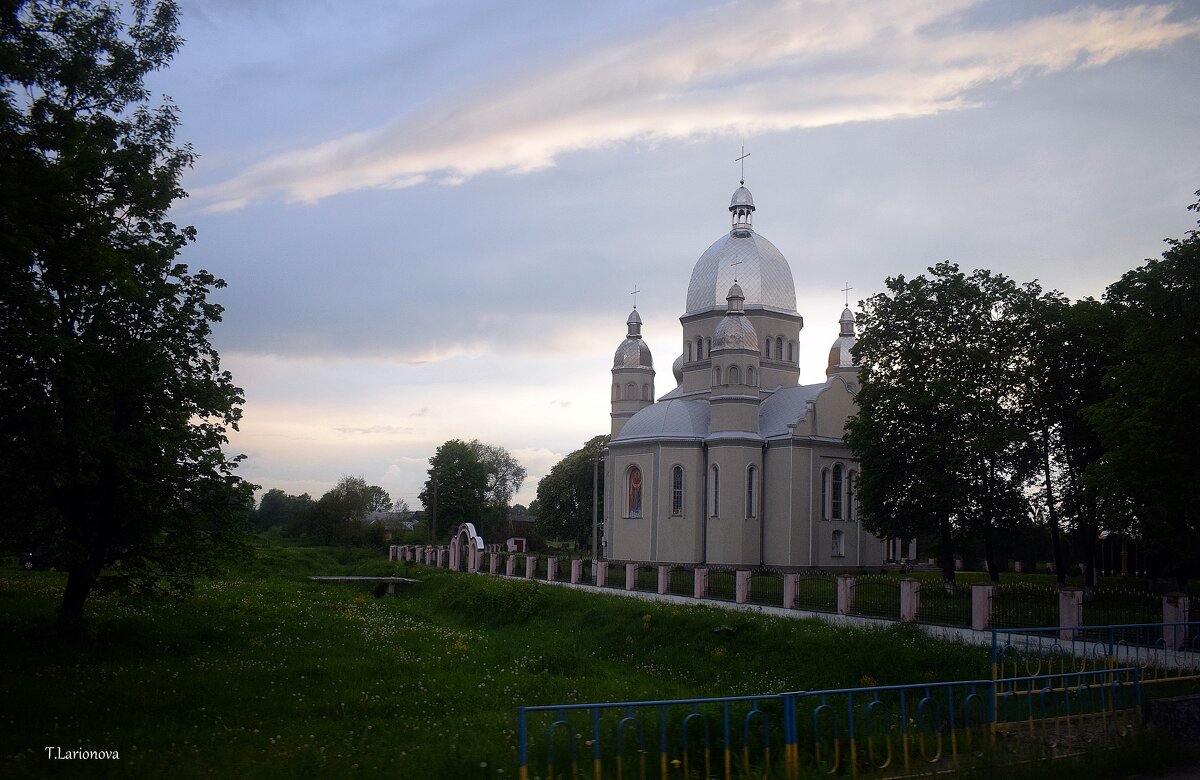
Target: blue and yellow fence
[1162,652]
[887,730]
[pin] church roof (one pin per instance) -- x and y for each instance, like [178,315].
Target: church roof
[734,333]
[761,271]
[674,419]
[786,405]
[633,353]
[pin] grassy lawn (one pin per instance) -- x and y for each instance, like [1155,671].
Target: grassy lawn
[264,674]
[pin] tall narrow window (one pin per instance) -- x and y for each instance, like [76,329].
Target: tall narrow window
[779,348]
[714,492]
[645,392]
[677,491]
[633,505]
[750,377]
[835,493]
[689,352]
[630,391]
[791,352]
[734,376]
[716,375]
[699,348]
[767,347]
[752,492]
[851,486]
[824,494]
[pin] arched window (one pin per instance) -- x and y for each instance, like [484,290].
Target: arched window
[689,352]
[837,545]
[616,394]
[791,352]
[677,491]
[751,376]
[716,375]
[646,392]
[752,492]
[851,502]
[835,493]
[714,492]
[708,347]
[824,494]
[633,493]
[779,348]
[699,348]
[767,347]
[735,377]
[630,391]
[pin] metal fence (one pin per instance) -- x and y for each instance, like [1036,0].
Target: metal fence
[1162,652]
[1024,604]
[722,584]
[681,581]
[647,578]
[817,593]
[766,588]
[1106,606]
[897,729]
[945,604]
[876,595]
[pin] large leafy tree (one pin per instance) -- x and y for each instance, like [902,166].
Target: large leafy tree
[278,509]
[114,408]
[1148,423]
[564,496]
[471,482]
[939,430]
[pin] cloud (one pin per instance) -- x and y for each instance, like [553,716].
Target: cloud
[373,430]
[782,65]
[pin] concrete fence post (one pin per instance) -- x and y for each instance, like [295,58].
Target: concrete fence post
[910,600]
[630,576]
[1070,611]
[741,591]
[551,569]
[845,586]
[1176,608]
[576,571]
[700,589]
[791,590]
[493,562]
[510,565]
[664,579]
[981,605]
[601,574]
[530,566]
[443,558]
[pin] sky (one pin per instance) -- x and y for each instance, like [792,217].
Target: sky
[431,216]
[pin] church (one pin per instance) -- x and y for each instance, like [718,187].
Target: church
[739,464]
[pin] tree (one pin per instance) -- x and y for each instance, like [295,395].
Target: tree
[456,489]
[278,509]
[1148,423]
[939,430]
[564,496]
[339,514]
[113,405]
[471,482]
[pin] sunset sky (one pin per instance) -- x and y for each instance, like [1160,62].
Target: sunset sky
[431,215]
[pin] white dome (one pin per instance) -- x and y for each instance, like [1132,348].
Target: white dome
[763,274]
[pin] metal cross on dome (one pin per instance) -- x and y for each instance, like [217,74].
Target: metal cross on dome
[742,160]
[634,294]
[847,290]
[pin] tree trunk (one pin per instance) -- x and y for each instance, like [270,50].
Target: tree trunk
[946,552]
[989,552]
[81,578]
[1060,558]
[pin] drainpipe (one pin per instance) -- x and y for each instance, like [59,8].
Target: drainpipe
[761,497]
[704,506]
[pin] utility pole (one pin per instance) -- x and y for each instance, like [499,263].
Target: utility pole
[433,518]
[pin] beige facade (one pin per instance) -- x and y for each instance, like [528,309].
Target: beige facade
[739,464]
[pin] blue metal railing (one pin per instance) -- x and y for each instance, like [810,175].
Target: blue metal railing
[896,727]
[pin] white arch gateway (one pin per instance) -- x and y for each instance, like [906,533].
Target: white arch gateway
[466,548]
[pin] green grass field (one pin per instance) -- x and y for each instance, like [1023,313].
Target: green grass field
[264,674]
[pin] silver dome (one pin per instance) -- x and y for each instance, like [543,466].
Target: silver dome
[741,197]
[677,369]
[763,274]
[633,353]
[839,354]
[734,332]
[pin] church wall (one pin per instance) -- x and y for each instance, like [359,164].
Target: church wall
[777,370]
[732,537]
[681,537]
[629,538]
[786,508]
